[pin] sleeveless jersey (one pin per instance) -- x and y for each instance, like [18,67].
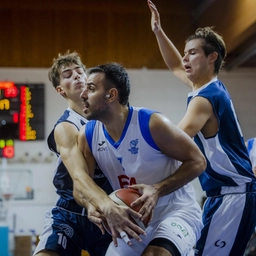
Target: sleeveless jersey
[62,180]
[252,150]
[136,159]
[227,158]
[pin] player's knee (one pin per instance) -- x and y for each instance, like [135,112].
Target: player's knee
[161,246]
[46,253]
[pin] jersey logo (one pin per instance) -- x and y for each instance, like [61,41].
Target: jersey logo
[220,243]
[134,150]
[181,229]
[101,144]
[67,230]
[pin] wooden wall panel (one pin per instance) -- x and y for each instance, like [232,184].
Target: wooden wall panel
[31,35]
[33,32]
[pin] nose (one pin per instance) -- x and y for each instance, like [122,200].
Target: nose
[185,58]
[84,93]
[77,75]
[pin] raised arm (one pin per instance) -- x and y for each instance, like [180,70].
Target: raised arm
[171,55]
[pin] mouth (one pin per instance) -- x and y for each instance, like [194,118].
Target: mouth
[79,85]
[187,68]
[86,106]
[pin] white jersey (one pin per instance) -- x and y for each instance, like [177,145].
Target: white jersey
[136,159]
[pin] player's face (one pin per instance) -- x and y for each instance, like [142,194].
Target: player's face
[195,62]
[94,98]
[72,80]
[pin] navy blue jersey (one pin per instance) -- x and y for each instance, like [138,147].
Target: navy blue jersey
[62,180]
[228,162]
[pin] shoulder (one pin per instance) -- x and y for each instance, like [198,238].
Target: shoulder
[144,114]
[72,117]
[65,134]
[200,102]
[144,117]
[213,91]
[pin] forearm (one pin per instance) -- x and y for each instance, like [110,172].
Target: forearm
[86,191]
[169,52]
[187,172]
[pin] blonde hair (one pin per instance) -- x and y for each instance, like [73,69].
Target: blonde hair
[63,60]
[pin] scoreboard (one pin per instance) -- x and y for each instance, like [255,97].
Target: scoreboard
[21,111]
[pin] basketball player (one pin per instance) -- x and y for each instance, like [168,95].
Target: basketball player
[251,146]
[140,148]
[67,228]
[229,211]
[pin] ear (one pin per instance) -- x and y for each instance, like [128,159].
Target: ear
[60,91]
[112,94]
[213,57]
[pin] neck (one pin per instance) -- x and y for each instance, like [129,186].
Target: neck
[76,106]
[202,81]
[116,122]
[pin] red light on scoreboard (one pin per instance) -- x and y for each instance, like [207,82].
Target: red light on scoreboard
[8,152]
[6,84]
[6,148]
[15,117]
[11,92]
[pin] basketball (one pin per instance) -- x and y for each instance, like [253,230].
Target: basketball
[126,196]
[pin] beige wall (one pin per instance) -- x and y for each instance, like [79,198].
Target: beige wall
[157,89]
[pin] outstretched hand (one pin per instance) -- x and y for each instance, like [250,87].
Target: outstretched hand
[117,219]
[155,17]
[96,217]
[149,199]
[119,222]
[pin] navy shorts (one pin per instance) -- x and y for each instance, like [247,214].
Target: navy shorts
[67,232]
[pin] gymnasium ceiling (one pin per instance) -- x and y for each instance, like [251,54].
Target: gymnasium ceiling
[110,20]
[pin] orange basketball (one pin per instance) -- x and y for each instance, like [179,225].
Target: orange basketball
[126,196]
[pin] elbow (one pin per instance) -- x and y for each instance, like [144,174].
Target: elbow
[201,164]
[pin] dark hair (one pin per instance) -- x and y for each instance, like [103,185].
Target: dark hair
[63,60]
[115,76]
[212,42]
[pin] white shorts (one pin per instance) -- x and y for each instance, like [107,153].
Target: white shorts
[229,221]
[172,227]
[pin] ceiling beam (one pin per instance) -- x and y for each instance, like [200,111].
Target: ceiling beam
[201,8]
[241,58]
[235,20]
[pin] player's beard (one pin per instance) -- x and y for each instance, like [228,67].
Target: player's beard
[99,113]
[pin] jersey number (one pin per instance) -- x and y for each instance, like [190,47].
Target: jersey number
[125,181]
[62,240]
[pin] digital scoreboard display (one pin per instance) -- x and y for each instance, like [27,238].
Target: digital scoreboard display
[21,111]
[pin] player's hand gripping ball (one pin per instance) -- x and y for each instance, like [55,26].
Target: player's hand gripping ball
[126,196]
